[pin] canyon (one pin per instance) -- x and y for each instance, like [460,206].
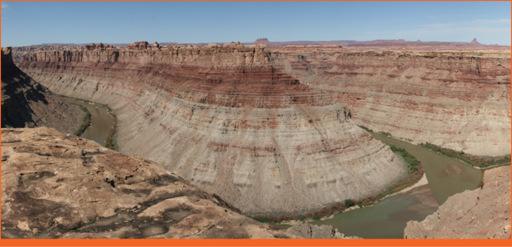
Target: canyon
[55,185]
[226,119]
[274,130]
[420,95]
[455,99]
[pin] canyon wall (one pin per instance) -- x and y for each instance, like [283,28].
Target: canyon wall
[455,99]
[26,103]
[229,121]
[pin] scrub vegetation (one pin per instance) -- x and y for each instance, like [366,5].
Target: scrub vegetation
[476,161]
[86,121]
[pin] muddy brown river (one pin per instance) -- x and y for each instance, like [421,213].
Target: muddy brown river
[101,121]
[387,218]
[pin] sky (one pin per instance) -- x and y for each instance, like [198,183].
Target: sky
[30,23]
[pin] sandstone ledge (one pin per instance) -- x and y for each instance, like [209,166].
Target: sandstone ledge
[60,186]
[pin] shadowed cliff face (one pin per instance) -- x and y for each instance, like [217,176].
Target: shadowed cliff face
[25,103]
[455,99]
[226,119]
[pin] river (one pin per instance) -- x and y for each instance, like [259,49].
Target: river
[387,218]
[101,121]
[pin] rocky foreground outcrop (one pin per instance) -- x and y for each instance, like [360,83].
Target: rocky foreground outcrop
[226,119]
[480,213]
[59,186]
[26,103]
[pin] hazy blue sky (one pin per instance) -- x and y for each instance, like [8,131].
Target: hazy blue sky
[26,23]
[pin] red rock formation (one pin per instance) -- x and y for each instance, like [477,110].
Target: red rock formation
[263,41]
[143,45]
[99,46]
[228,120]
[475,42]
[261,127]
[458,99]
[139,45]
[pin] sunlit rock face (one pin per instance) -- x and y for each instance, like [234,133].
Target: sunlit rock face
[55,185]
[455,99]
[230,121]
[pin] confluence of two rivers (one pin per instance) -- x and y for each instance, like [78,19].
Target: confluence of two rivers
[385,219]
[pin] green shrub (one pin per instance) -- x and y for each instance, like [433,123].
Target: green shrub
[470,159]
[386,133]
[349,203]
[86,122]
[261,219]
[412,162]
[367,129]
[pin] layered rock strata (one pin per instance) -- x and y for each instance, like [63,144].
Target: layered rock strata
[454,99]
[26,103]
[229,121]
[482,213]
[60,186]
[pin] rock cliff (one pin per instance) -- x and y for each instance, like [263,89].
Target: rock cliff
[26,103]
[59,186]
[481,213]
[225,118]
[454,99]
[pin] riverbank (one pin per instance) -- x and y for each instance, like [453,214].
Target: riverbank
[423,181]
[110,141]
[414,175]
[444,176]
[479,162]
[100,123]
[86,121]
[449,175]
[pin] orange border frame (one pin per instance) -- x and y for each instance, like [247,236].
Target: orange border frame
[254,242]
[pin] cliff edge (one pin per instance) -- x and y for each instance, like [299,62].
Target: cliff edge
[55,185]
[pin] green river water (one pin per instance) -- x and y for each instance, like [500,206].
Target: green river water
[101,121]
[387,218]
